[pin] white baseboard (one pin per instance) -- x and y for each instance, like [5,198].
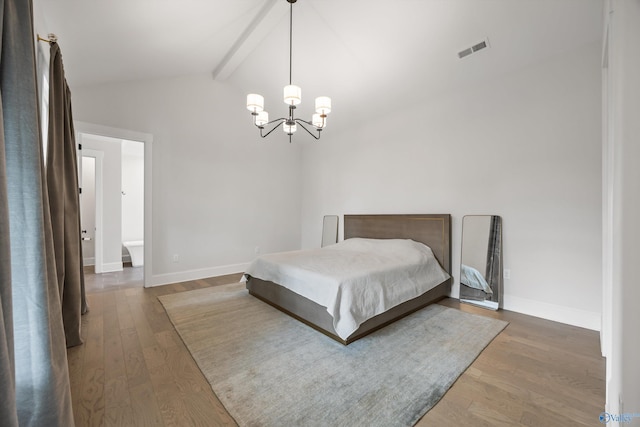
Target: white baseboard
[111,267]
[203,273]
[557,313]
[89,261]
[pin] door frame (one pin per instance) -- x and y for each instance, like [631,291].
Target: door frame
[147,139]
[97,235]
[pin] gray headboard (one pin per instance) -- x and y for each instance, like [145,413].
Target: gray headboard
[434,230]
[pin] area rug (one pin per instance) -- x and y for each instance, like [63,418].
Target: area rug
[269,369]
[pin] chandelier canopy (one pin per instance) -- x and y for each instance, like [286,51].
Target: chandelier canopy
[292,97]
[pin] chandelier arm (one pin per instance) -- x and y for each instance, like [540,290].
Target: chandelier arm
[279,122]
[307,122]
[300,122]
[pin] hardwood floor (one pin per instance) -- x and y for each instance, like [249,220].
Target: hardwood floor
[535,373]
[134,370]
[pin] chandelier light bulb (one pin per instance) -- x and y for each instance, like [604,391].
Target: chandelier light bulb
[288,128]
[255,102]
[262,118]
[318,121]
[292,95]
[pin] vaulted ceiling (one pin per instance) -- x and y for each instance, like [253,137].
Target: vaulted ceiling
[361,52]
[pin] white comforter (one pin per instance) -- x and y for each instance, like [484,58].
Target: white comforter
[472,278]
[355,279]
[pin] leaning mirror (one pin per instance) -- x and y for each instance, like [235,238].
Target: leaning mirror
[481,261]
[329,230]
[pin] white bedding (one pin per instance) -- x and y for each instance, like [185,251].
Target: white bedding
[355,279]
[472,278]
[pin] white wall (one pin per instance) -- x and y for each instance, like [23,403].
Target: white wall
[133,191]
[219,191]
[525,146]
[629,231]
[622,210]
[111,198]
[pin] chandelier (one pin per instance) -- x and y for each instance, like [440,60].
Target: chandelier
[292,97]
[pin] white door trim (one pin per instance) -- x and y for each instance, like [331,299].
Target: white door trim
[99,156]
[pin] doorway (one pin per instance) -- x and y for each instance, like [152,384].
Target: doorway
[114,171]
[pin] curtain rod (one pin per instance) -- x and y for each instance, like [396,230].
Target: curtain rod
[52,38]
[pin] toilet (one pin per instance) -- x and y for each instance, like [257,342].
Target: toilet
[136,250]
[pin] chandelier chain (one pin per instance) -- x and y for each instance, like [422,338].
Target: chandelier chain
[290,40]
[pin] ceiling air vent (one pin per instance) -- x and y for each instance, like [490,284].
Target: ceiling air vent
[473,49]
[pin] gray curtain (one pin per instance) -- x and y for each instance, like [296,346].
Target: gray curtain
[34,390]
[8,413]
[64,203]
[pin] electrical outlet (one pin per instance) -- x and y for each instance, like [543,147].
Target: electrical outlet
[176,258]
[507,274]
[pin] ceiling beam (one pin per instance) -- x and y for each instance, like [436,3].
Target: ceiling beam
[262,24]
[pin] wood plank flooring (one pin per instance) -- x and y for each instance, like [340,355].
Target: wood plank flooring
[134,370]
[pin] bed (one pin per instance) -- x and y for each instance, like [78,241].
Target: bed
[431,230]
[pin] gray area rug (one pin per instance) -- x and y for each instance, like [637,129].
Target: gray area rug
[268,369]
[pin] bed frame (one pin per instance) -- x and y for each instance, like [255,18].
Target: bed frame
[432,230]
